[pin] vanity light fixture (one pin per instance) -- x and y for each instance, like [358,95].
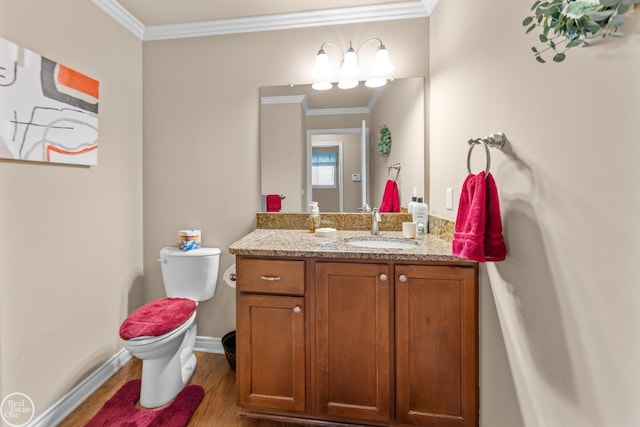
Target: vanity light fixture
[349,70]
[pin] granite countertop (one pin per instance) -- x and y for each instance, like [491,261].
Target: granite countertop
[301,243]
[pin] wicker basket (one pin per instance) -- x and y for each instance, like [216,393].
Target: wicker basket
[229,345]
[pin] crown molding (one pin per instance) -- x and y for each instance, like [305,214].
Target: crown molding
[122,16]
[377,94]
[385,12]
[302,99]
[283,99]
[337,111]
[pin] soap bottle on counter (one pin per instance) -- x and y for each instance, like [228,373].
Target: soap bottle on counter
[421,217]
[314,217]
[414,200]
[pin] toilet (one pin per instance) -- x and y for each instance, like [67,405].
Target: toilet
[162,333]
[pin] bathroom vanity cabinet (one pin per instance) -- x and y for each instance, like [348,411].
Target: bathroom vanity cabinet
[436,345]
[339,341]
[270,334]
[353,335]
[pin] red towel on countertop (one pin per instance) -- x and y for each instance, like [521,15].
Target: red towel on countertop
[274,203]
[478,229]
[390,198]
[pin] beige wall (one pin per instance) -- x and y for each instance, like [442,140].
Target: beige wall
[559,318]
[71,237]
[282,147]
[201,112]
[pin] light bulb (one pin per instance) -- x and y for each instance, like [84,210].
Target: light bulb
[382,64]
[348,83]
[350,66]
[322,85]
[375,82]
[321,69]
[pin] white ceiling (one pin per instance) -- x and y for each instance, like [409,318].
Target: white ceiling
[168,19]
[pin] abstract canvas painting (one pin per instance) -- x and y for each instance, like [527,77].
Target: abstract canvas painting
[48,112]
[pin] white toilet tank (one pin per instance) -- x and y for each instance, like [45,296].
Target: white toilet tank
[190,274]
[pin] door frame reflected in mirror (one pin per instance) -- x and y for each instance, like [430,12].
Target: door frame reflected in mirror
[364,162]
[330,146]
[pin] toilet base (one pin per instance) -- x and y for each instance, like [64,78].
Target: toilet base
[163,378]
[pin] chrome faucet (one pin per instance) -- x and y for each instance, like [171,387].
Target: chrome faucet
[365,208]
[375,219]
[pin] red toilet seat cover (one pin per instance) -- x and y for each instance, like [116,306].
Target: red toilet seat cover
[157,318]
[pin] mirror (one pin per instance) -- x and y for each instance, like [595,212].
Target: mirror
[300,128]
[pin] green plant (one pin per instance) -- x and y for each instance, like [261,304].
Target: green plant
[384,143]
[566,24]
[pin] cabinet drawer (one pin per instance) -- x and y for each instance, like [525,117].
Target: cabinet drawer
[267,276]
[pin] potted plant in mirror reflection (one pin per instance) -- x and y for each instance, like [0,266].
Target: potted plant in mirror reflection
[565,24]
[384,143]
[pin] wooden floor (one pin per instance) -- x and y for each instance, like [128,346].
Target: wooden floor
[218,407]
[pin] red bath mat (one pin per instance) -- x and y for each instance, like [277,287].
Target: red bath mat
[121,409]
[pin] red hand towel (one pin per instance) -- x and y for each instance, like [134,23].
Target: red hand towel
[468,237]
[390,199]
[395,198]
[478,230]
[274,203]
[494,247]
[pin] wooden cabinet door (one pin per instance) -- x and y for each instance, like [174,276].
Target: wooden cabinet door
[270,352]
[436,346]
[352,341]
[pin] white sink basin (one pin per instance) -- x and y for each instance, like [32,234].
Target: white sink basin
[383,243]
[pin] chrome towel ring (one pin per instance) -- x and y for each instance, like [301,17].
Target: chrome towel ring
[496,140]
[393,171]
[473,143]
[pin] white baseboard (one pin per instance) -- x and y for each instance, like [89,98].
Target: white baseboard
[209,345]
[63,407]
[68,403]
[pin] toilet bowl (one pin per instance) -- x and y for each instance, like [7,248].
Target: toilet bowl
[162,333]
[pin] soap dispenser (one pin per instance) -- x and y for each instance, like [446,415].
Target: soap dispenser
[314,217]
[414,200]
[421,217]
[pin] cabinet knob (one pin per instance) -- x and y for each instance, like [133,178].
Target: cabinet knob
[402,278]
[383,277]
[297,309]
